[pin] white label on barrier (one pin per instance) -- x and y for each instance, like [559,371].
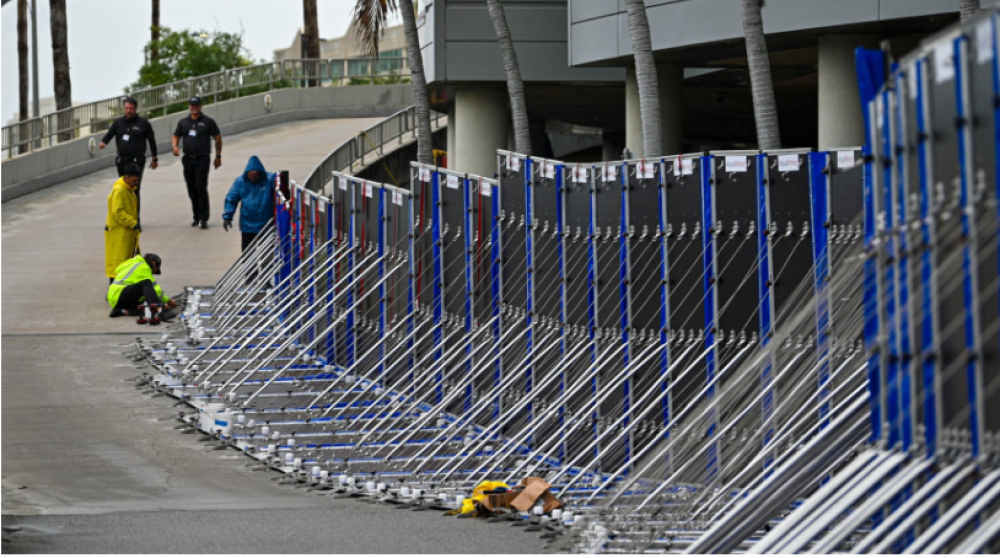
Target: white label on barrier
[513,163]
[788,163]
[984,42]
[609,173]
[736,163]
[397,197]
[579,174]
[484,188]
[321,206]
[683,167]
[342,183]
[879,110]
[307,199]
[911,81]
[845,159]
[452,182]
[368,190]
[424,174]
[944,63]
[645,169]
[549,169]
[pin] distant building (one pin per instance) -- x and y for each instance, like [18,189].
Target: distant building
[46,105]
[393,45]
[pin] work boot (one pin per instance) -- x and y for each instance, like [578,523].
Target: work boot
[195,222]
[144,314]
[204,224]
[154,319]
[116,312]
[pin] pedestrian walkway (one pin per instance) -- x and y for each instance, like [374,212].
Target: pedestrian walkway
[53,243]
[78,441]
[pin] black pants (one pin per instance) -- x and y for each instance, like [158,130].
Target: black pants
[248,239]
[196,176]
[140,160]
[132,295]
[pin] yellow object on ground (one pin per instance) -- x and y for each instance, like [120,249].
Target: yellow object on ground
[121,240]
[469,504]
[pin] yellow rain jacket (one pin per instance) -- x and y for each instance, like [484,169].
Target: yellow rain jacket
[121,240]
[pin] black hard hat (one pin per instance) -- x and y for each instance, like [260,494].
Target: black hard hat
[150,258]
[194,101]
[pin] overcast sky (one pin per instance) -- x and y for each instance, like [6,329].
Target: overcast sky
[106,37]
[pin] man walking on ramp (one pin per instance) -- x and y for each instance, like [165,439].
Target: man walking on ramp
[253,191]
[196,132]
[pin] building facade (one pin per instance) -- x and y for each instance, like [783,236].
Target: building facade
[393,45]
[575,58]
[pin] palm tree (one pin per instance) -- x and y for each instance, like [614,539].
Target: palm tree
[22,58]
[645,75]
[154,34]
[22,64]
[60,62]
[764,108]
[515,85]
[310,36]
[370,17]
[969,8]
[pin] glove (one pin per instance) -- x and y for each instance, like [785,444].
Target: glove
[137,228]
[227,224]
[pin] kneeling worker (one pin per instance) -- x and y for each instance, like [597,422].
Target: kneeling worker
[253,191]
[134,292]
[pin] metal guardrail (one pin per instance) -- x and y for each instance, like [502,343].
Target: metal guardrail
[369,141]
[48,130]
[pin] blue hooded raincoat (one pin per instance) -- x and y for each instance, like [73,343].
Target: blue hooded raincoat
[256,198]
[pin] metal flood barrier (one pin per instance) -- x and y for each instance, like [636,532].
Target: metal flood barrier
[790,351]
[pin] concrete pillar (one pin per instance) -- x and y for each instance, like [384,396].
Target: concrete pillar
[451,135]
[612,145]
[841,123]
[670,78]
[538,137]
[480,128]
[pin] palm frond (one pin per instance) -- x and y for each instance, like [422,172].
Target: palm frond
[370,17]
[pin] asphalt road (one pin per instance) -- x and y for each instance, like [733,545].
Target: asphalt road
[88,463]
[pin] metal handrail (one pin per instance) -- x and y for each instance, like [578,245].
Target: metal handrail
[372,140]
[49,129]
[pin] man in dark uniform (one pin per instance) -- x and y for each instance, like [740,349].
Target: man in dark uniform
[131,132]
[195,130]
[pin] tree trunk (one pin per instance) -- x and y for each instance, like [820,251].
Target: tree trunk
[310,38]
[22,65]
[764,108]
[969,8]
[425,149]
[154,34]
[515,85]
[60,62]
[645,74]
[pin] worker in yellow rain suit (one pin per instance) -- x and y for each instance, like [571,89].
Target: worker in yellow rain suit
[121,228]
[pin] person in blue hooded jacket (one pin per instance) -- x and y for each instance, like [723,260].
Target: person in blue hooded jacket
[253,191]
